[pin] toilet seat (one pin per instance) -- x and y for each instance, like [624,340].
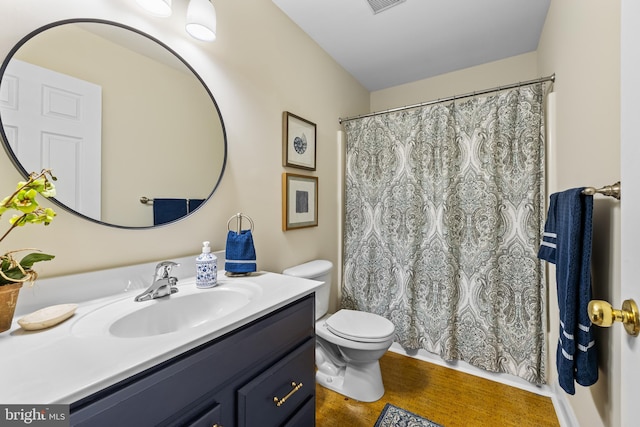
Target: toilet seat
[360,326]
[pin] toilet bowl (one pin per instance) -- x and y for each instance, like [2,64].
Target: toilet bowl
[360,339]
[349,343]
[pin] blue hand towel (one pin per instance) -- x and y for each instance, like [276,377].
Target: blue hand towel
[194,204]
[566,242]
[167,210]
[240,253]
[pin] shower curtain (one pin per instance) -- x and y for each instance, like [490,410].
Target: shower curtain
[444,213]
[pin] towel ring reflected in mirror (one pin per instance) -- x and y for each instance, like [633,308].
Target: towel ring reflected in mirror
[239,217]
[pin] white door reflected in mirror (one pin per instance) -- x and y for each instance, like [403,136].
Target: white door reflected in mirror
[56,124]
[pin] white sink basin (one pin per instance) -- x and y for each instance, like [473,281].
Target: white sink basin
[172,314]
[188,308]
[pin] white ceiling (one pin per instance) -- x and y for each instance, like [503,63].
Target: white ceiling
[417,39]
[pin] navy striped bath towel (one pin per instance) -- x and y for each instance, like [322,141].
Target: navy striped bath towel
[567,244]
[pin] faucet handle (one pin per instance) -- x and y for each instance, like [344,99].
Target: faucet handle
[163,269]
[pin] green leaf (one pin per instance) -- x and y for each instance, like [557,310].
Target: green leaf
[13,273]
[26,263]
[30,259]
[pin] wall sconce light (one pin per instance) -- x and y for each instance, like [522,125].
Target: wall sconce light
[201,16]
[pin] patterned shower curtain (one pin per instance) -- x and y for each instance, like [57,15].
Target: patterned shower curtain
[444,213]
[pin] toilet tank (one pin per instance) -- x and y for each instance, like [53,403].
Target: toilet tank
[315,270]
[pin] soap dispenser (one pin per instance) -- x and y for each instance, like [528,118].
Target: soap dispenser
[206,268]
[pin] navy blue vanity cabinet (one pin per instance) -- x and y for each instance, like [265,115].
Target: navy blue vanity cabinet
[243,378]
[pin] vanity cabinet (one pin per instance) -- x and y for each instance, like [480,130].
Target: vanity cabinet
[261,374]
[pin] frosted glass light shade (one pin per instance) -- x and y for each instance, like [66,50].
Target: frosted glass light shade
[201,20]
[157,7]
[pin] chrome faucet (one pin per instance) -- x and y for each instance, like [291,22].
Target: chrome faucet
[163,284]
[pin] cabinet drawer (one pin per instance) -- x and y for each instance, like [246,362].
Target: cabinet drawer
[275,396]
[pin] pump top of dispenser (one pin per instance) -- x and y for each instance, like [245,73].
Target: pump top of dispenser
[206,247]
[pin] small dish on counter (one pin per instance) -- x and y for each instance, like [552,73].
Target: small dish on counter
[47,317]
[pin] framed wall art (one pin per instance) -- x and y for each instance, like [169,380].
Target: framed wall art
[298,142]
[299,201]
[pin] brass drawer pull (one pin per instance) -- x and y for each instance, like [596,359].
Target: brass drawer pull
[295,386]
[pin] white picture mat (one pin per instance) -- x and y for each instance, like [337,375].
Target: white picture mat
[298,128]
[301,218]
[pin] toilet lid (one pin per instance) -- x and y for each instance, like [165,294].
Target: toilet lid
[360,326]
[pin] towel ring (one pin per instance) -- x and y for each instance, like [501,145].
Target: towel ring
[239,217]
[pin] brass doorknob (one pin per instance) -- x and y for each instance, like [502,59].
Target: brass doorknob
[602,314]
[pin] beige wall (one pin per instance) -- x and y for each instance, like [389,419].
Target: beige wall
[507,71]
[581,44]
[261,65]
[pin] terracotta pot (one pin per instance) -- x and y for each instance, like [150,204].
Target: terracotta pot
[8,300]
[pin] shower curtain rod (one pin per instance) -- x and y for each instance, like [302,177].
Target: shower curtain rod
[551,78]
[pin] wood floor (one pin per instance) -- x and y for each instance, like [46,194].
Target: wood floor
[445,396]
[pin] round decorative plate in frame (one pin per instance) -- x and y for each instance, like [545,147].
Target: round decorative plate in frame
[300,144]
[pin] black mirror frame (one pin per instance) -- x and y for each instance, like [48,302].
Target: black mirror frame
[25,173]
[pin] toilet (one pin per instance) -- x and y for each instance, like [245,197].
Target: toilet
[349,343]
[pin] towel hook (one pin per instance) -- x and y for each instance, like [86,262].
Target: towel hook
[238,218]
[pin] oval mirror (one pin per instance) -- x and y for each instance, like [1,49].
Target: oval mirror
[117,116]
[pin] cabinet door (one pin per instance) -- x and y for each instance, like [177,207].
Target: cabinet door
[305,416]
[275,396]
[210,418]
[205,412]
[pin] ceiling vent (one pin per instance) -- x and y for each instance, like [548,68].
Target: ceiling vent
[379,5]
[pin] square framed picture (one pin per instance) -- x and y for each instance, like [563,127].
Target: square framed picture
[299,201]
[298,142]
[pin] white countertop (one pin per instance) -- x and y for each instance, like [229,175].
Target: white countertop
[60,365]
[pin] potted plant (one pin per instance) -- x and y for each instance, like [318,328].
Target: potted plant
[14,273]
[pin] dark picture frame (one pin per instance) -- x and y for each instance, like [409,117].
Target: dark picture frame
[299,201]
[298,142]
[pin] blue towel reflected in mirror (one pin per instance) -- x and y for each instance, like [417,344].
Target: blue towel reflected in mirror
[194,204]
[167,210]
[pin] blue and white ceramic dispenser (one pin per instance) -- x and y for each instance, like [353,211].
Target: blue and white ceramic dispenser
[206,268]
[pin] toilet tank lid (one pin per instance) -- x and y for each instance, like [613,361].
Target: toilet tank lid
[309,269]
